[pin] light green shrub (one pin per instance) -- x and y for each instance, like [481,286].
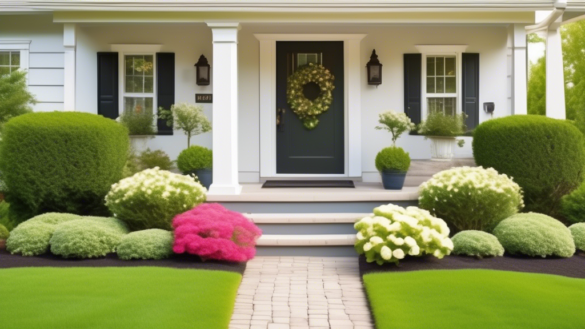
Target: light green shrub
[394,232]
[87,237]
[534,234]
[471,198]
[441,124]
[476,244]
[194,158]
[147,244]
[578,233]
[573,205]
[4,234]
[32,237]
[153,197]
[392,158]
[4,218]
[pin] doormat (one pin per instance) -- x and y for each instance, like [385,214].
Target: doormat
[308,183]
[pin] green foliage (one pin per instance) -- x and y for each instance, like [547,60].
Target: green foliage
[578,233]
[392,158]
[537,88]
[187,117]
[87,237]
[544,156]
[153,197]
[573,36]
[15,99]
[471,198]
[147,244]
[138,121]
[147,160]
[32,237]
[4,234]
[534,235]
[4,219]
[441,124]
[476,244]
[573,205]
[394,232]
[395,123]
[194,158]
[61,162]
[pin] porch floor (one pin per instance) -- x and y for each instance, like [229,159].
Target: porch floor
[362,192]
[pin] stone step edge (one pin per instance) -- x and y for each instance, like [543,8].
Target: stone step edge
[306,240]
[304,218]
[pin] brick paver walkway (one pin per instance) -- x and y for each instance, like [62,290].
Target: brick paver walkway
[301,292]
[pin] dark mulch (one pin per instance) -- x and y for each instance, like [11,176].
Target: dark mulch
[572,267]
[176,261]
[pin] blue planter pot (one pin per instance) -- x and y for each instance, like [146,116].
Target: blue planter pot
[205,176]
[393,179]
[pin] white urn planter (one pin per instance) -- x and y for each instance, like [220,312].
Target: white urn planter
[442,148]
[139,143]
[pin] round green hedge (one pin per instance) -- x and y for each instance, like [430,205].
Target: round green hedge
[87,237]
[534,235]
[147,244]
[4,234]
[578,232]
[194,158]
[573,205]
[32,237]
[544,156]
[476,244]
[61,162]
[392,158]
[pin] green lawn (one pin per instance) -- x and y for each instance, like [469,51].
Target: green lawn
[475,299]
[113,297]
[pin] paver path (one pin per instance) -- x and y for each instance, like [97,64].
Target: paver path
[301,292]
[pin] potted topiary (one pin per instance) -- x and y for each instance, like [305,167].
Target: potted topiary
[393,162]
[140,124]
[442,129]
[187,117]
[197,160]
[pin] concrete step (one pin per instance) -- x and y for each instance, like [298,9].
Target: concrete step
[298,240]
[305,218]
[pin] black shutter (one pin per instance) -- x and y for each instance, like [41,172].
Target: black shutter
[470,90]
[412,86]
[165,79]
[108,84]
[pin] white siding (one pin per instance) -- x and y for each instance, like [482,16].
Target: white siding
[45,77]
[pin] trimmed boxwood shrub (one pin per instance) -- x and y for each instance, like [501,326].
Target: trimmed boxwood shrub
[573,206]
[534,235]
[194,158]
[392,158]
[61,162]
[476,244]
[147,244]
[32,237]
[544,156]
[87,237]
[578,232]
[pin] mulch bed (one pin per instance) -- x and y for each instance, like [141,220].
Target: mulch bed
[571,267]
[176,261]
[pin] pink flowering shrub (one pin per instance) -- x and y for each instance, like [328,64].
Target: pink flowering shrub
[214,232]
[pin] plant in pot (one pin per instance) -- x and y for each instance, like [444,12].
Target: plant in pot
[140,122]
[197,160]
[442,129]
[393,162]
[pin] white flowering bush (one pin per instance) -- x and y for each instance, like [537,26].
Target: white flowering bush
[396,123]
[394,232]
[151,198]
[471,198]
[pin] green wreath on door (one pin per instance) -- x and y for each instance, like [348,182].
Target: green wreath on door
[307,110]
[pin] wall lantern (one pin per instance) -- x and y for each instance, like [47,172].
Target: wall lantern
[374,70]
[203,70]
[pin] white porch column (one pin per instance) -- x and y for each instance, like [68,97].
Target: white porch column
[69,43]
[555,77]
[520,76]
[225,108]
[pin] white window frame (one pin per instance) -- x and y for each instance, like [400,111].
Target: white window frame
[441,50]
[18,45]
[129,50]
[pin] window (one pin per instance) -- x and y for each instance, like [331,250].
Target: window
[9,61]
[138,83]
[441,81]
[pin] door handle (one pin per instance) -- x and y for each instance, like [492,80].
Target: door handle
[280,117]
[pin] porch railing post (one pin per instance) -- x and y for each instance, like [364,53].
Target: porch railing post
[555,77]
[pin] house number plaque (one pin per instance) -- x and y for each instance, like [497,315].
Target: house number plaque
[203,98]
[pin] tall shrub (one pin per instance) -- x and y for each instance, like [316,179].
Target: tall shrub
[61,162]
[15,99]
[546,157]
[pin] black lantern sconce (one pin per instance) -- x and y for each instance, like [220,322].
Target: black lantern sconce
[374,70]
[203,71]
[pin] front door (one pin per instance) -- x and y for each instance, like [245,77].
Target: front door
[300,150]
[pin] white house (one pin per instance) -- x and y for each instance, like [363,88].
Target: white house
[455,55]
